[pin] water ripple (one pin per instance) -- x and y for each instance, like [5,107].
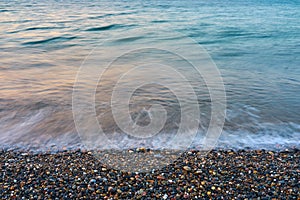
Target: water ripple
[104,28]
[61,39]
[254,44]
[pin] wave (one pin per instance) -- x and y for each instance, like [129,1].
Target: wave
[61,39]
[112,14]
[37,28]
[271,136]
[109,27]
[129,39]
[38,133]
[104,28]
[160,21]
[4,10]
[70,140]
[47,125]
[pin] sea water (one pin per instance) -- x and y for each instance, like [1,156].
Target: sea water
[255,45]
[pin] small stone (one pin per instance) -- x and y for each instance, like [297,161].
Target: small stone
[104,169]
[141,191]
[93,181]
[150,181]
[142,149]
[165,196]
[187,168]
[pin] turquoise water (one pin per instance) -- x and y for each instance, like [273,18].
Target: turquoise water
[255,45]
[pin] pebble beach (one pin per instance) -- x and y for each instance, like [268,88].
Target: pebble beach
[163,99]
[221,174]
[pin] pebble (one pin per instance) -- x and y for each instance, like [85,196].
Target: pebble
[187,168]
[104,169]
[220,174]
[142,149]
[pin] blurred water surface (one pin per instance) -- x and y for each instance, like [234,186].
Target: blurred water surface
[255,44]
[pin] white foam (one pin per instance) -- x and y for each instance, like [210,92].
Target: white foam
[250,133]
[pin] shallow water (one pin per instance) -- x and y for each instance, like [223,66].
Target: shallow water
[255,45]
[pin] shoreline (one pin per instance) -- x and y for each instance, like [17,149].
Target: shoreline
[221,174]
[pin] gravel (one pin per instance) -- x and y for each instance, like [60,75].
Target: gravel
[221,174]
